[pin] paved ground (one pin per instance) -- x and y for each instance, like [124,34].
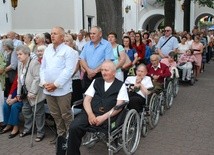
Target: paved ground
[185,129]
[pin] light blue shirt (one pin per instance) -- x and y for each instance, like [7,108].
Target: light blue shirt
[17,42]
[57,67]
[95,56]
[171,44]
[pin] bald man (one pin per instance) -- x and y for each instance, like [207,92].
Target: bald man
[101,96]
[157,70]
[12,35]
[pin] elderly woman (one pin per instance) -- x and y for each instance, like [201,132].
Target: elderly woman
[40,52]
[11,64]
[28,77]
[28,40]
[138,88]
[12,108]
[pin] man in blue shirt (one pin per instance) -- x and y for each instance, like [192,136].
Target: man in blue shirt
[167,43]
[94,53]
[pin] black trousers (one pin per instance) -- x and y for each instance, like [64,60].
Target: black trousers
[136,102]
[76,131]
[78,128]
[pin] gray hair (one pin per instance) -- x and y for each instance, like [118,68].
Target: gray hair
[98,28]
[24,48]
[30,36]
[41,47]
[8,43]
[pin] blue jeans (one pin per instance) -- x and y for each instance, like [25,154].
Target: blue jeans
[11,113]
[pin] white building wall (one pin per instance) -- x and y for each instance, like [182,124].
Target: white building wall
[5,17]
[41,15]
[90,12]
[38,16]
[179,15]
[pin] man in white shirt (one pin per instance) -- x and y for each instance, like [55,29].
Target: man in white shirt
[101,96]
[58,65]
[80,42]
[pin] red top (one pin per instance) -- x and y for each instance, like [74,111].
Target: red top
[14,85]
[162,71]
[141,50]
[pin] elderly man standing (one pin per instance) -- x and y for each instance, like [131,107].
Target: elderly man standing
[12,35]
[167,43]
[94,53]
[58,65]
[101,96]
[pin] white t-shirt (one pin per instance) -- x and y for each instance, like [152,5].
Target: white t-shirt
[183,48]
[122,95]
[147,82]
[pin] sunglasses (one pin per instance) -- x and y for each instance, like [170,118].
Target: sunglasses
[167,30]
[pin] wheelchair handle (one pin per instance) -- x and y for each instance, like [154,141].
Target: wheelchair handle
[78,102]
[120,106]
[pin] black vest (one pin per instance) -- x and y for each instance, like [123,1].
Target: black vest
[103,101]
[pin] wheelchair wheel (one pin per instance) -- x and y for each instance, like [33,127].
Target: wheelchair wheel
[169,95]
[162,109]
[154,109]
[192,81]
[131,132]
[144,130]
[175,87]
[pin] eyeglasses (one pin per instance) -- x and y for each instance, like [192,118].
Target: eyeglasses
[167,30]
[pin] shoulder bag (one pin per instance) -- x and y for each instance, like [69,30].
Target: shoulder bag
[24,91]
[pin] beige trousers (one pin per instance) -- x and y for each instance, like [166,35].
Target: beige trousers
[60,109]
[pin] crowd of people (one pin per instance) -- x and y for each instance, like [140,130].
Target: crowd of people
[60,68]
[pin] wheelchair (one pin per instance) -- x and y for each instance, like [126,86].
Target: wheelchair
[161,100]
[144,114]
[192,78]
[175,83]
[122,133]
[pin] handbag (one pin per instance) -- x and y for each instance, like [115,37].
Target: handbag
[127,63]
[24,91]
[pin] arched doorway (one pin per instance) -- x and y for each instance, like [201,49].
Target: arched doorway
[153,22]
[204,20]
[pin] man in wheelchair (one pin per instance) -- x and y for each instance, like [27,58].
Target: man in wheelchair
[138,88]
[157,71]
[101,96]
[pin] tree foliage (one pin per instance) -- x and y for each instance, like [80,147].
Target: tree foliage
[208,3]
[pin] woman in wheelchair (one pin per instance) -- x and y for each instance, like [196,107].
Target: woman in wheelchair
[138,88]
[185,63]
[171,63]
[101,96]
